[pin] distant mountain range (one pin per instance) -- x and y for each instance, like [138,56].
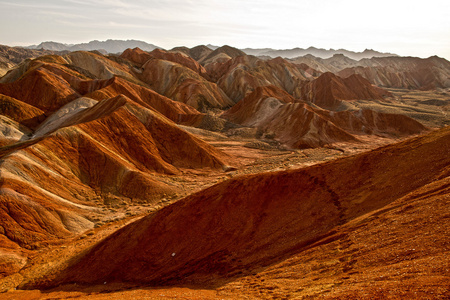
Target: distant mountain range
[118,46]
[108,46]
[317,52]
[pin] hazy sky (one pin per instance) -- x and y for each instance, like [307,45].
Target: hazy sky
[416,28]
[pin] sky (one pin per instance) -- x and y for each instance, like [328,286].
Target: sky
[407,28]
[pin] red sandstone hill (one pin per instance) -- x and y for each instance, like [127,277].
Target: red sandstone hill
[10,57]
[49,85]
[242,74]
[221,54]
[244,225]
[114,153]
[182,60]
[136,56]
[140,57]
[298,125]
[329,90]
[40,88]
[403,72]
[250,107]
[98,65]
[182,84]
[198,52]
[85,65]
[63,154]
[176,111]
[177,77]
[21,112]
[295,125]
[389,72]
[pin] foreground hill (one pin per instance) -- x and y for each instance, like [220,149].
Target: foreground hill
[245,224]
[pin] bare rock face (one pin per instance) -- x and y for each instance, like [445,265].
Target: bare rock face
[136,55]
[200,52]
[254,221]
[50,85]
[97,65]
[176,111]
[21,112]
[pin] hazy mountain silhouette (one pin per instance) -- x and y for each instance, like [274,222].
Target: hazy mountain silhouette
[110,46]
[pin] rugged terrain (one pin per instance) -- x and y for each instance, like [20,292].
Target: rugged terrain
[206,173]
[10,57]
